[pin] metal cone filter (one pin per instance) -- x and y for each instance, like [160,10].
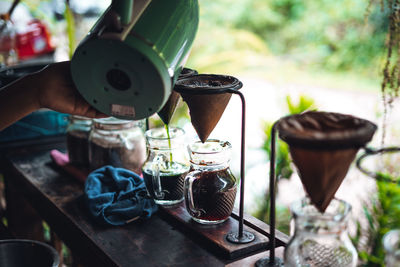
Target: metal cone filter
[207,96]
[322,146]
[168,110]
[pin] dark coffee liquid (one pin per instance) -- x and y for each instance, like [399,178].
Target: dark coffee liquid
[78,148]
[214,194]
[171,183]
[117,156]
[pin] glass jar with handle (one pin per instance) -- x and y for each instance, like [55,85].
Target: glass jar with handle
[210,188]
[166,165]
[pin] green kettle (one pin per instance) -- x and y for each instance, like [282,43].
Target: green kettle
[128,63]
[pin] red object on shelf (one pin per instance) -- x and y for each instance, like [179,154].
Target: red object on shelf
[33,41]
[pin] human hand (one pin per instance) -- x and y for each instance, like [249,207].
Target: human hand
[56,91]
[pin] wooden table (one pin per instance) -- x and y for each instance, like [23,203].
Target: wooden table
[58,199]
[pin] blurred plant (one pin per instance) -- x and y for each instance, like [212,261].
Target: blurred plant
[282,167]
[233,50]
[69,18]
[305,104]
[282,215]
[391,70]
[382,217]
[327,34]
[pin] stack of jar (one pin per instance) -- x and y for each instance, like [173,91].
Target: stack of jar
[92,144]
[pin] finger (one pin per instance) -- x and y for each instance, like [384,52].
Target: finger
[100,115]
[94,113]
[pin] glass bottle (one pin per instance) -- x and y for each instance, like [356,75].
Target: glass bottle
[78,131]
[8,55]
[119,143]
[391,244]
[320,239]
[210,187]
[166,165]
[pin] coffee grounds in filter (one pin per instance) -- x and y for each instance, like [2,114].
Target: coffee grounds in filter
[205,106]
[322,146]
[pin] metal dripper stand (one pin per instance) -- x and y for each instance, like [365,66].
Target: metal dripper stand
[330,139]
[271,260]
[217,89]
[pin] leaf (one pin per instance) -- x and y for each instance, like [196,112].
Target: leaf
[69,17]
[369,217]
[305,103]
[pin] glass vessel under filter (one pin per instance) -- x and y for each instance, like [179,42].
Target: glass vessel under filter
[210,189]
[166,165]
[320,239]
[391,244]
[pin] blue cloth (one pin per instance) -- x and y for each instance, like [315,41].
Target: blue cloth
[116,196]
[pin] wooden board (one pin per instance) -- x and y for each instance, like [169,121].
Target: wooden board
[215,235]
[165,239]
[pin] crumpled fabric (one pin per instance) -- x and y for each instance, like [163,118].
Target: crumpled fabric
[117,196]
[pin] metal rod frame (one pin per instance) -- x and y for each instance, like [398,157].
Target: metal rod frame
[272,261]
[242,236]
[272,211]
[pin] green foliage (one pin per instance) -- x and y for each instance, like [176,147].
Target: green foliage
[305,103]
[69,17]
[334,35]
[383,217]
[282,216]
[283,169]
[219,49]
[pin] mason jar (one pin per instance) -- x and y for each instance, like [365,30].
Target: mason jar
[119,143]
[320,239]
[210,187]
[77,132]
[166,165]
[391,245]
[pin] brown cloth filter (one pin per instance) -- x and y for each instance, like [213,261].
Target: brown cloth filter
[205,108]
[168,110]
[322,146]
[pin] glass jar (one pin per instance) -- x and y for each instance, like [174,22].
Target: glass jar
[166,165]
[391,244]
[210,187]
[8,55]
[119,143]
[320,239]
[78,131]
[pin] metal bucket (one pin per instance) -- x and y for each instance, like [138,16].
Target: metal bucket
[27,253]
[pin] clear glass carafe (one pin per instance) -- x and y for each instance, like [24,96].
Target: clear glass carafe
[119,143]
[210,187]
[166,165]
[320,239]
[391,244]
[78,131]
